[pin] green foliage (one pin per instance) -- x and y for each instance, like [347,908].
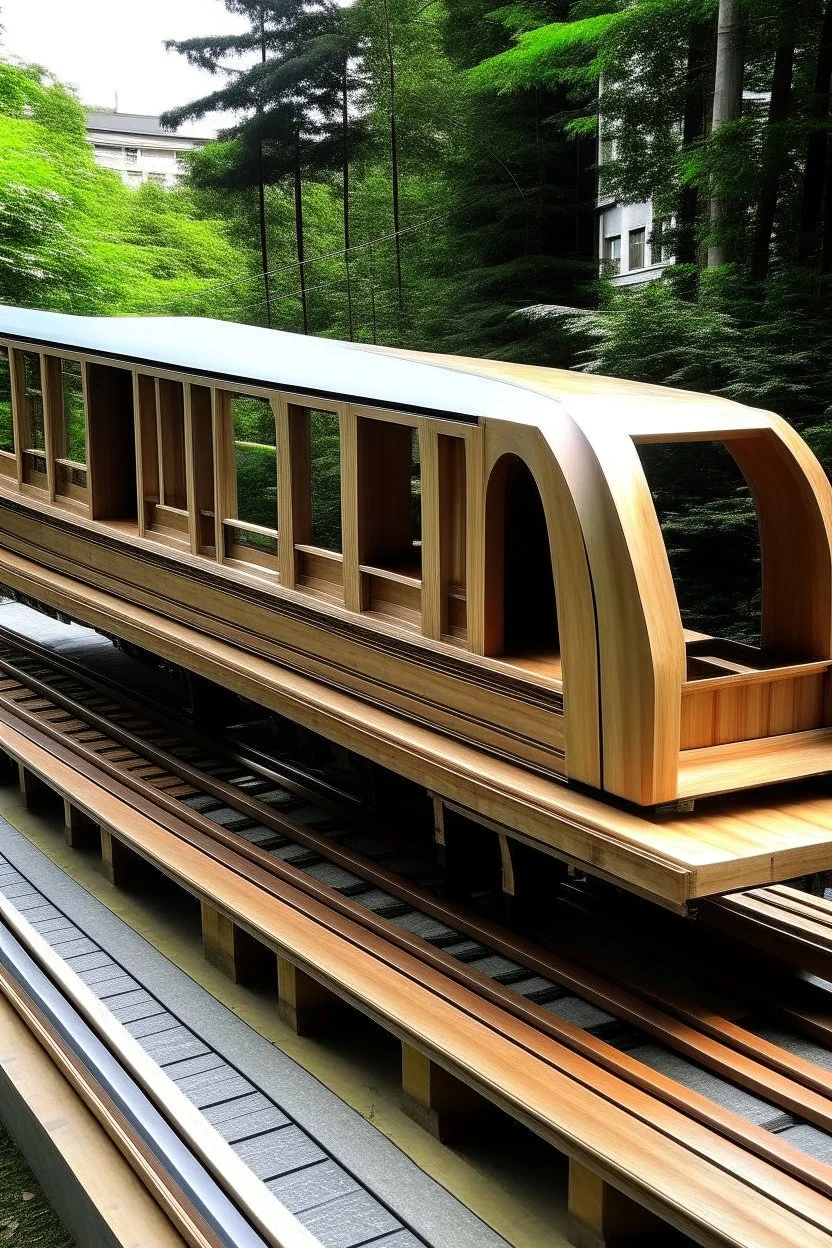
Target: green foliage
[74,238]
[325,455]
[772,353]
[256,467]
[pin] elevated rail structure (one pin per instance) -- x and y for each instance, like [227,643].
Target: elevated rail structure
[509,636]
[715,1118]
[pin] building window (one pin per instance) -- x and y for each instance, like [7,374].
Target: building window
[157,178]
[134,179]
[637,238]
[612,254]
[131,155]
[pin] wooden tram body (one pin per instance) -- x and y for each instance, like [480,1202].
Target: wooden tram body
[527,633]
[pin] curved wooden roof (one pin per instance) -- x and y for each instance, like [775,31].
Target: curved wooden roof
[453,386]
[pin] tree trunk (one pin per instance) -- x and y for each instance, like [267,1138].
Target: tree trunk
[826,252]
[394,154]
[264,245]
[299,231]
[693,130]
[727,108]
[346,178]
[774,150]
[816,149]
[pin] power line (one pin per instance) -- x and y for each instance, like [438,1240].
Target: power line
[336,253]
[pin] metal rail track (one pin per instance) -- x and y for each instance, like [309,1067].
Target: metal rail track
[774,1100]
[209,1195]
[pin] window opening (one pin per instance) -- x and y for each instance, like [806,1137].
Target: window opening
[112,443]
[33,434]
[6,419]
[521,613]
[69,433]
[390,498]
[636,258]
[612,254]
[251,522]
[709,522]
[171,424]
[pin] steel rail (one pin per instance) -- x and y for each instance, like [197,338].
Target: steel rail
[207,1191]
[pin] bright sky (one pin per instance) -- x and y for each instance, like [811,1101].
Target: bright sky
[106,46]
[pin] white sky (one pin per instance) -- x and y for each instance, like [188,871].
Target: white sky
[106,46]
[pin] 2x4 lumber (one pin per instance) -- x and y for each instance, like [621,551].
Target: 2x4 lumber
[434,606]
[231,949]
[602,1217]
[18,388]
[304,1004]
[445,1106]
[353,598]
[79,829]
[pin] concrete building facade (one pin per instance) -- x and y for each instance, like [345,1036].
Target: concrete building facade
[631,245]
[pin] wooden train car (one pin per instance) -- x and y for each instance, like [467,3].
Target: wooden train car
[474,571]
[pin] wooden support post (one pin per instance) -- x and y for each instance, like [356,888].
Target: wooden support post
[439,827]
[303,1004]
[232,950]
[437,1100]
[602,1217]
[34,792]
[80,831]
[116,858]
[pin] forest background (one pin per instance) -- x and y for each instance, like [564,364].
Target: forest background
[424,173]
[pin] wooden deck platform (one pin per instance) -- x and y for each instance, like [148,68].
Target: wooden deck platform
[728,843]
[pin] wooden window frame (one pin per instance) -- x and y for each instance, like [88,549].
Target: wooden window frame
[303,565]
[225,482]
[38,479]
[61,489]
[157,517]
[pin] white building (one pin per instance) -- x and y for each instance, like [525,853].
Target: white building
[631,247]
[137,148]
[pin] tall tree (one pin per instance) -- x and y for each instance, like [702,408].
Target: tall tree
[727,106]
[290,101]
[775,143]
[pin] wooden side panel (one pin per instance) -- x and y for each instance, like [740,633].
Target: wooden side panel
[641,647]
[718,712]
[112,443]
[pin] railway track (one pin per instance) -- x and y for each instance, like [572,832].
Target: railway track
[209,1196]
[768,1091]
